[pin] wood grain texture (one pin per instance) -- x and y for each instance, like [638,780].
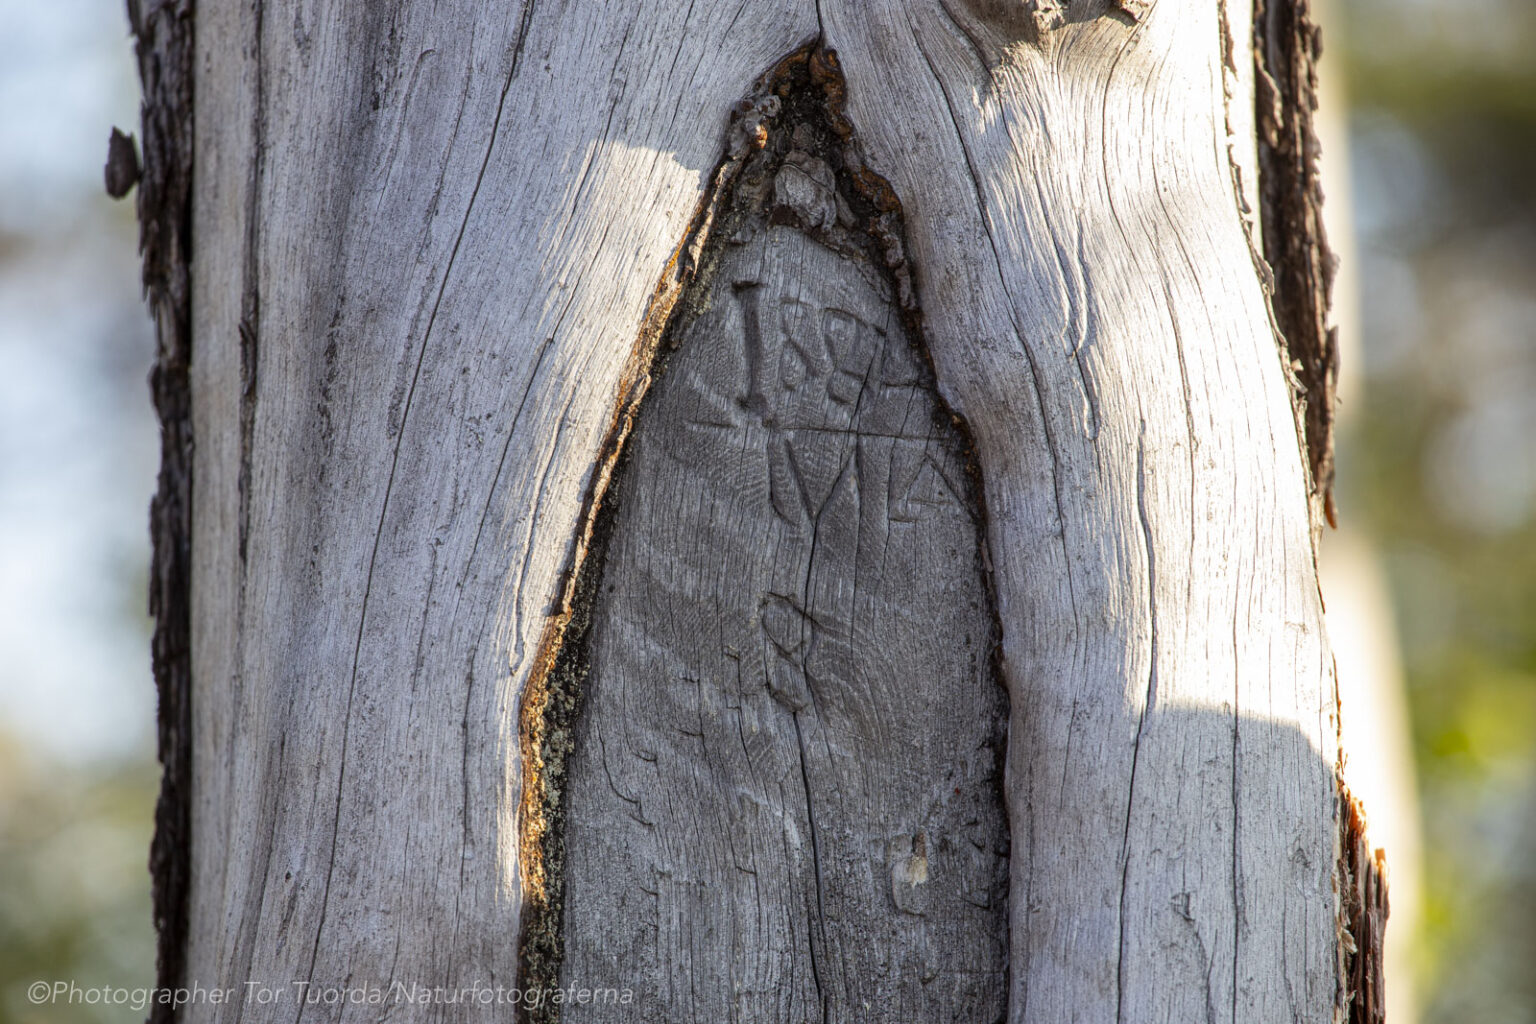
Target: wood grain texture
[1095,315]
[426,239]
[440,282]
[785,797]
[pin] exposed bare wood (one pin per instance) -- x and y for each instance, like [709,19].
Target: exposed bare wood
[1095,315]
[440,282]
[428,238]
[784,799]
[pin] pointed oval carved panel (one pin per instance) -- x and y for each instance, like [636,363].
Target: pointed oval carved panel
[784,801]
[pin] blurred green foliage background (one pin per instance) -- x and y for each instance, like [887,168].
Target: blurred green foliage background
[78,451]
[1438,465]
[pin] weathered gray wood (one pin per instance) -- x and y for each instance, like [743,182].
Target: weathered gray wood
[785,801]
[456,215]
[440,226]
[1095,314]
[222,873]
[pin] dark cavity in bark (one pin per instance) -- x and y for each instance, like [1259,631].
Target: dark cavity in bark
[766,754]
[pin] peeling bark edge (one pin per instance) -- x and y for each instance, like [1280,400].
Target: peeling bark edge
[162,30]
[552,700]
[1286,49]
[1363,909]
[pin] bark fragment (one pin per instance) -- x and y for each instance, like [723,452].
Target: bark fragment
[1363,878]
[121,172]
[1287,46]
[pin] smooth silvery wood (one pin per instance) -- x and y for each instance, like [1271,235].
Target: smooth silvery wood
[437,227]
[1095,314]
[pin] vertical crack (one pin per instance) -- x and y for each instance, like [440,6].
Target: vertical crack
[1150,704]
[817,930]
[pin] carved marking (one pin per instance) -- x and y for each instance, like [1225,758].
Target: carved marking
[791,635]
[786,485]
[792,682]
[853,350]
[927,489]
[746,294]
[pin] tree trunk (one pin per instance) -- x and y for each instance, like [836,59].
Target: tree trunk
[782,511]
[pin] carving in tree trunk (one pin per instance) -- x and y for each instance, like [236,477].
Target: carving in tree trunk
[784,800]
[484,633]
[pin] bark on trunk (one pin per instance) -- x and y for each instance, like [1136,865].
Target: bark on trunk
[937,637]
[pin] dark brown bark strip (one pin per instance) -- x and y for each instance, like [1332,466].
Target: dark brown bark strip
[1287,46]
[122,170]
[1362,876]
[164,45]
